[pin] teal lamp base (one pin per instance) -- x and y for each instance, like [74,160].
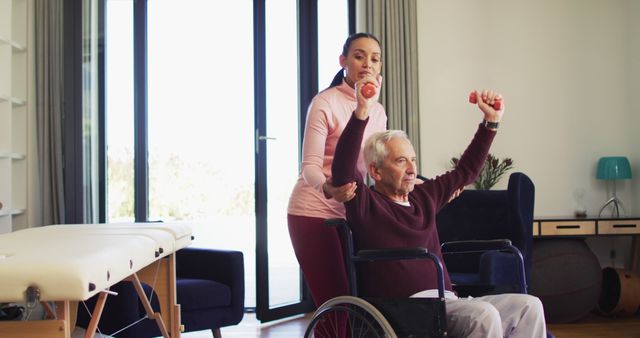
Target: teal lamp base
[616,205]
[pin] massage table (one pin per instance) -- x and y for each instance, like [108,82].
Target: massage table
[67,264]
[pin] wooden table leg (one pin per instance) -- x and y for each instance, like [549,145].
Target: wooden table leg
[163,274]
[96,314]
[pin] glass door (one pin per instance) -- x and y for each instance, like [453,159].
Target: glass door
[218,111]
[280,285]
[201,116]
[119,96]
[199,123]
[281,288]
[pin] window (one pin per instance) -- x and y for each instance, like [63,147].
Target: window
[180,83]
[119,111]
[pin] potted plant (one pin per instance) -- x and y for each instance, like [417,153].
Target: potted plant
[491,172]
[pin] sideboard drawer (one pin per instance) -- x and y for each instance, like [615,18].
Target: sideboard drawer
[569,228]
[536,228]
[617,227]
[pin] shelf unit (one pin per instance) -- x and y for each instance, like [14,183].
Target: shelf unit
[14,108]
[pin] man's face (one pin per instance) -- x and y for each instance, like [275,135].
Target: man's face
[397,177]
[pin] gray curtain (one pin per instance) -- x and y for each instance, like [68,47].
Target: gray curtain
[394,22]
[48,55]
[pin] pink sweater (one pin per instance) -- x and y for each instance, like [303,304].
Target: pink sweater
[327,116]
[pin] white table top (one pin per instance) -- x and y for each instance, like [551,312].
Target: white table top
[74,262]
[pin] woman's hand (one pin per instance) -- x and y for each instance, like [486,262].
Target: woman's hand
[364,104]
[342,193]
[486,100]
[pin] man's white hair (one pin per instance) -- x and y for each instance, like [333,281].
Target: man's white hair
[375,149]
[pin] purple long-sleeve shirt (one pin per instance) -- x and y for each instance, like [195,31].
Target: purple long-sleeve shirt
[378,222]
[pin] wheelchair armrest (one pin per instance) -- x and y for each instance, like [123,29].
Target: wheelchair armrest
[477,245]
[392,254]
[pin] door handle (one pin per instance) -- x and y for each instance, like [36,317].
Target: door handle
[262,138]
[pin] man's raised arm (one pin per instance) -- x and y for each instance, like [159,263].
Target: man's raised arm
[344,166]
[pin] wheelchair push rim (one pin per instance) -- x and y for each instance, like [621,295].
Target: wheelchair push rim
[359,316]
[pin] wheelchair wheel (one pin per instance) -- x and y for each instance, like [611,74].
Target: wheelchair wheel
[348,316]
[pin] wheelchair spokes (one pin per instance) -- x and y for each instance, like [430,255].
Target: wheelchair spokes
[348,317]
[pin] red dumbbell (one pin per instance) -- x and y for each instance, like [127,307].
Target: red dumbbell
[473,98]
[368,90]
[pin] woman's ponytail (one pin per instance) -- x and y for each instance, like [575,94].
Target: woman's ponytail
[337,80]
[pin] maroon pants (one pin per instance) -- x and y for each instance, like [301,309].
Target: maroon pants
[319,254]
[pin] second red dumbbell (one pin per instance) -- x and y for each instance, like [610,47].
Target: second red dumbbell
[473,98]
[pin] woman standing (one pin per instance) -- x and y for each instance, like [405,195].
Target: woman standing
[314,199]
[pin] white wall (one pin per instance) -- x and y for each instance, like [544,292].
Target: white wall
[569,72]
[633,20]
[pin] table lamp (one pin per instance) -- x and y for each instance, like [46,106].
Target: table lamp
[611,169]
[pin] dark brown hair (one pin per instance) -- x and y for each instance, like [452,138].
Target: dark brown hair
[337,79]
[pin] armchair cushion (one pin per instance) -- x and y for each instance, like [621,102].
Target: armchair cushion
[195,294]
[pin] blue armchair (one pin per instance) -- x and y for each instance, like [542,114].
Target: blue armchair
[210,291]
[488,215]
[210,288]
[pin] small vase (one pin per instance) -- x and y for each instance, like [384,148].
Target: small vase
[580,211]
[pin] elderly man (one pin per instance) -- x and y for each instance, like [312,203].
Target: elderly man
[396,212]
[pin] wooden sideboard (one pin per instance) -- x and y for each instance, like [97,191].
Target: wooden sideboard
[549,227]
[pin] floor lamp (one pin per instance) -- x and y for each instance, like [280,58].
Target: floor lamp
[612,169]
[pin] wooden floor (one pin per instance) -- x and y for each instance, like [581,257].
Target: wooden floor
[250,327]
[593,326]
[596,326]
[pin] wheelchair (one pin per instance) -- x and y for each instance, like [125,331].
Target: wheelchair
[354,316]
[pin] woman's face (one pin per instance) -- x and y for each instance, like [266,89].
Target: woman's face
[364,59]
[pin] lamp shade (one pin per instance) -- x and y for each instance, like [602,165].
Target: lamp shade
[613,168]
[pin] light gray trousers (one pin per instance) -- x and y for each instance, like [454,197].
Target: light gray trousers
[506,315]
